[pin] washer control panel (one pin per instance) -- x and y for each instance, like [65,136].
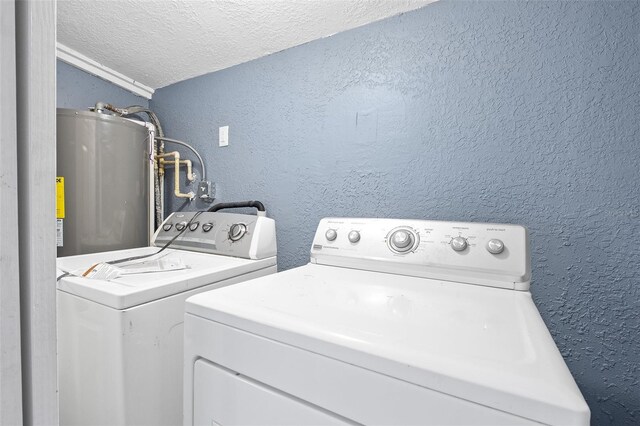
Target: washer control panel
[495,255]
[229,234]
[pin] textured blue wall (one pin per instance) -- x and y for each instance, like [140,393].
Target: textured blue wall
[513,112]
[80,90]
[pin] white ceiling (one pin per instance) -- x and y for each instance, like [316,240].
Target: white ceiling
[160,42]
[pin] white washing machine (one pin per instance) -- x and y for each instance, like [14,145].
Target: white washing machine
[401,322]
[120,341]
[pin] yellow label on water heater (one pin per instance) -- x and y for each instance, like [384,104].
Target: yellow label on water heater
[59,197]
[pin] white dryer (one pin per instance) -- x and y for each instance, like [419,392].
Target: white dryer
[120,341]
[399,322]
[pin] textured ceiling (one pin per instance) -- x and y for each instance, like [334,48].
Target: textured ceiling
[162,42]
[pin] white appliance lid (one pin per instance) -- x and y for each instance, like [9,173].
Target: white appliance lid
[482,344]
[131,290]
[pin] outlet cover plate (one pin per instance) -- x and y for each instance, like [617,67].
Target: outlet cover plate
[223,135]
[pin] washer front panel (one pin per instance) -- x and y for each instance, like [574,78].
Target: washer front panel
[318,387]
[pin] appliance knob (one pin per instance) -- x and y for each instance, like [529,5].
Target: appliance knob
[402,240]
[194,226]
[180,226]
[167,227]
[459,243]
[331,234]
[354,236]
[206,227]
[495,246]
[237,231]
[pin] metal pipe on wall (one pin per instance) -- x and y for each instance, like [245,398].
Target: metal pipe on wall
[176,175]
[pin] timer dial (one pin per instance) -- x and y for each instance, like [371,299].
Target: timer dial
[237,231]
[402,240]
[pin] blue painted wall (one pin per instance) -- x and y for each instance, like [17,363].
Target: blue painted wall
[80,90]
[513,112]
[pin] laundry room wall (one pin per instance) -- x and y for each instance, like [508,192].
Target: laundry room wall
[517,112]
[78,89]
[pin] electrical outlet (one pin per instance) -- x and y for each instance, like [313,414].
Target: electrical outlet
[223,135]
[206,192]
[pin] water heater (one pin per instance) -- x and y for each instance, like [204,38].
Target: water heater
[104,164]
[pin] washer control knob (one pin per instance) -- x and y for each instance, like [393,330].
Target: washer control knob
[206,227]
[331,234]
[167,227]
[237,231]
[354,236]
[194,226]
[459,243]
[180,226]
[495,246]
[402,240]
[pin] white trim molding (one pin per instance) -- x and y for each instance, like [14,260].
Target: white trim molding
[10,355]
[78,60]
[35,26]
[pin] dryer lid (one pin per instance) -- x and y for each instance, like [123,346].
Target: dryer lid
[482,344]
[132,290]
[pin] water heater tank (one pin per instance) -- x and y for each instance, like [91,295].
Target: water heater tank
[105,162]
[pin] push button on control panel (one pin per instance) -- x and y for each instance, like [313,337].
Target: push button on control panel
[180,226]
[194,226]
[206,227]
[167,227]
